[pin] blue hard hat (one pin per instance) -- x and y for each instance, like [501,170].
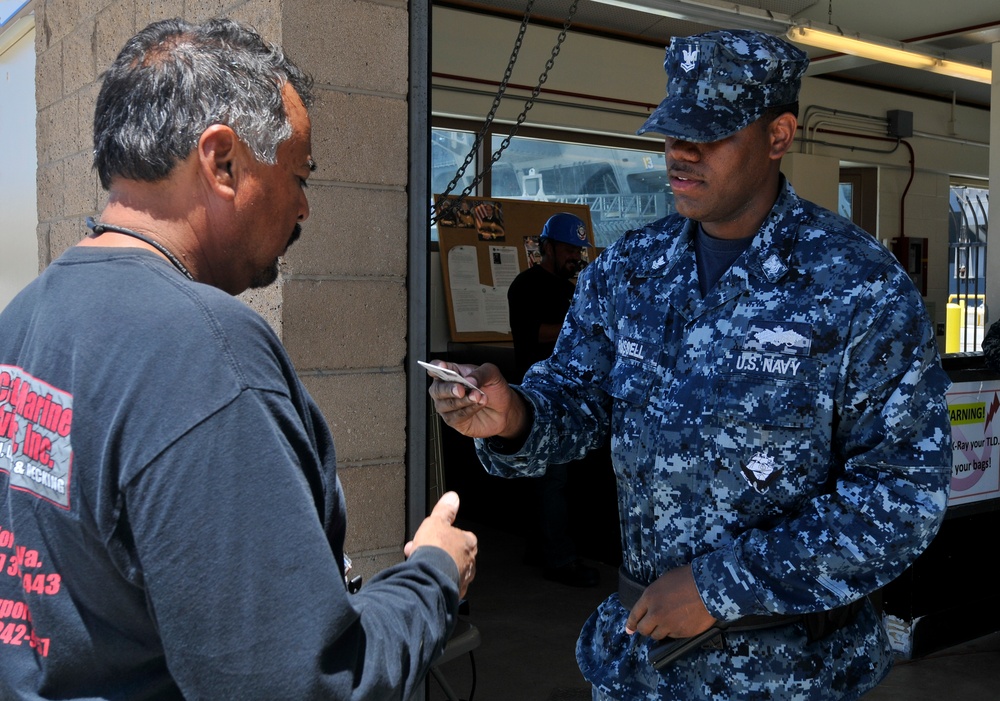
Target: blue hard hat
[721,81]
[566,228]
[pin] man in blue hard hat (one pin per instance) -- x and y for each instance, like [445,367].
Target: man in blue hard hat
[771,386]
[538,299]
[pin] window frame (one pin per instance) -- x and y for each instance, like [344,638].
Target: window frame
[502,130]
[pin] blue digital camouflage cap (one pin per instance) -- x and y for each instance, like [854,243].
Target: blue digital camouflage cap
[721,81]
[567,228]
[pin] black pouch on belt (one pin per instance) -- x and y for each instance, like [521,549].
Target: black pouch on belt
[661,653]
[823,623]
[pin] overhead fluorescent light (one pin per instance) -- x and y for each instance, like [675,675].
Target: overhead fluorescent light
[886,51]
[717,13]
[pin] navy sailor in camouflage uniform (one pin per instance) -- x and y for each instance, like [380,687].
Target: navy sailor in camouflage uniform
[770,383]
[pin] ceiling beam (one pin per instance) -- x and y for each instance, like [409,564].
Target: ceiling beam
[710,12]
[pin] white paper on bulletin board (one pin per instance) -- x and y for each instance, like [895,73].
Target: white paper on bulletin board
[975,413]
[484,244]
[476,307]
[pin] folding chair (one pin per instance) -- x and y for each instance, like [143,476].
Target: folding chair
[465,639]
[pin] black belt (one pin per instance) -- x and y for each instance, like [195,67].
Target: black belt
[818,625]
[630,589]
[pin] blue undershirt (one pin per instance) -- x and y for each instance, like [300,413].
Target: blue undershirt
[715,256]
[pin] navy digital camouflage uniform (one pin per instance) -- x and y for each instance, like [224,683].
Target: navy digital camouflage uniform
[787,435]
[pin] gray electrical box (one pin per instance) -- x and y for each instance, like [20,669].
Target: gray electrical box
[900,124]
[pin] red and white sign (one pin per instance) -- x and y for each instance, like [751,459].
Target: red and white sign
[975,433]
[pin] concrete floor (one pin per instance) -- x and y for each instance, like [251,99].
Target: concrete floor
[528,628]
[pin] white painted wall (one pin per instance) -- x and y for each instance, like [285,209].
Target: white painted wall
[18,216]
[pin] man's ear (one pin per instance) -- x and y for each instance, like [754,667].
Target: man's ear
[218,150]
[781,133]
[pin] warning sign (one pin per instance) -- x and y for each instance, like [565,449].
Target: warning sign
[975,474]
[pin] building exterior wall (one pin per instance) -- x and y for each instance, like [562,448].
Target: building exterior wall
[340,306]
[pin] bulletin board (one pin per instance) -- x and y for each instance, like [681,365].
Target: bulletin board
[484,244]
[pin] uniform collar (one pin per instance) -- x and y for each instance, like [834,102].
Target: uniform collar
[767,257]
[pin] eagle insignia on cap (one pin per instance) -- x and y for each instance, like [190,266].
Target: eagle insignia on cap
[690,59]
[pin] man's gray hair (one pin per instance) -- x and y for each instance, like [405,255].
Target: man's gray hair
[173,80]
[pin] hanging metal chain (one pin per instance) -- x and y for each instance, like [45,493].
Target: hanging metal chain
[496,102]
[529,103]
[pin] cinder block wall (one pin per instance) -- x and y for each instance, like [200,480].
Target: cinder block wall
[340,306]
